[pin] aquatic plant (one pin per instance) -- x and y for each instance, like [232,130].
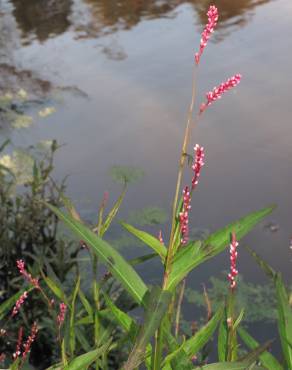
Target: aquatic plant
[91,326]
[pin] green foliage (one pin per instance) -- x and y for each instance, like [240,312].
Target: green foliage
[251,297]
[148,216]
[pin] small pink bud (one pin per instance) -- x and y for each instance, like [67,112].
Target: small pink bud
[233,258]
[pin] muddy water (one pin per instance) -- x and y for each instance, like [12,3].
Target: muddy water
[130,63]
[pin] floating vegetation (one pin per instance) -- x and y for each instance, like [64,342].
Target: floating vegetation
[148,216]
[126,175]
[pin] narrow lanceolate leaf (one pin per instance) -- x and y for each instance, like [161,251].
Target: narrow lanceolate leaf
[193,254]
[284,319]
[156,307]
[112,213]
[72,339]
[223,339]
[56,289]
[84,361]
[266,358]
[283,307]
[230,366]
[85,303]
[117,265]
[254,355]
[197,342]
[121,317]
[148,239]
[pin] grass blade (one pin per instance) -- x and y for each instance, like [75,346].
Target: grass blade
[266,358]
[148,239]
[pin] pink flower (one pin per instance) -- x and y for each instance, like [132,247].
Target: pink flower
[19,303]
[17,352]
[184,216]
[218,91]
[26,275]
[233,258]
[62,313]
[209,28]
[197,164]
[29,341]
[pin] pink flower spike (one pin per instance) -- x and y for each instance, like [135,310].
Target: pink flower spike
[17,352]
[218,91]
[19,303]
[62,313]
[27,345]
[184,216]
[26,275]
[209,29]
[233,258]
[197,164]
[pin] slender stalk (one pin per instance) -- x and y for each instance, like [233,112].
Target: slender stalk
[179,176]
[156,364]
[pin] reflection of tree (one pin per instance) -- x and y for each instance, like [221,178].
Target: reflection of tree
[42,18]
[124,14]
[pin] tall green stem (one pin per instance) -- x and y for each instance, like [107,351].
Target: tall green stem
[156,363]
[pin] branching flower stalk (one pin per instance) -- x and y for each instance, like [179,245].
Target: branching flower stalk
[212,21]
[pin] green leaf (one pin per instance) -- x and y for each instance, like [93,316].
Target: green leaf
[266,358]
[284,319]
[223,340]
[117,265]
[283,308]
[85,303]
[148,239]
[56,289]
[194,254]
[252,356]
[156,307]
[112,213]
[197,342]
[230,366]
[121,317]
[141,259]
[72,339]
[84,361]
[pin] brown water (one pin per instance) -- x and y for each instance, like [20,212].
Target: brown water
[125,71]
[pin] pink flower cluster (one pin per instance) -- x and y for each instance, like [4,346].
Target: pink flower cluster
[17,352]
[209,28]
[198,164]
[184,216]
[26,275]
[62,313]
[29,341]
[233,258]
[221,89]
[19,303]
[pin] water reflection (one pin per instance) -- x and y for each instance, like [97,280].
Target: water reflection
[42,19]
